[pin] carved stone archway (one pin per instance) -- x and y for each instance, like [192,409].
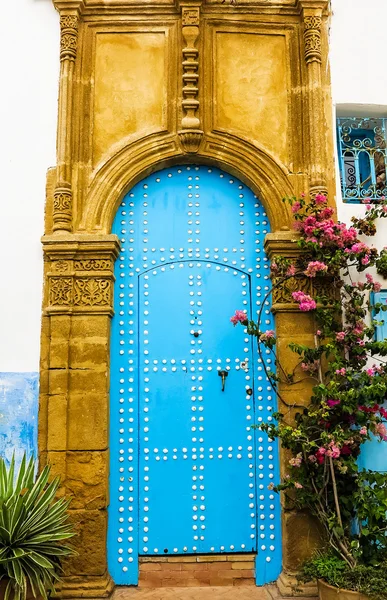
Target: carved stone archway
[144,86]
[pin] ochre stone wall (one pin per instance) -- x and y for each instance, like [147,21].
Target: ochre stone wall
[145,85]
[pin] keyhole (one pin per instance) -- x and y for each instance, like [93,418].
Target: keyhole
[196,334]
[165,550]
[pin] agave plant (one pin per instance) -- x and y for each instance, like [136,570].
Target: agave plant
[33,525]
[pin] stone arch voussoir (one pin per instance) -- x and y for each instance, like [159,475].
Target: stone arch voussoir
[269,179]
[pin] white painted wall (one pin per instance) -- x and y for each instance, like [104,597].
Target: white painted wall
[29,50]
[359,79]
[29,46]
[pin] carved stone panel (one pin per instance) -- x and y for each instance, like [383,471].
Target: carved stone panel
[251,87]
[130,96]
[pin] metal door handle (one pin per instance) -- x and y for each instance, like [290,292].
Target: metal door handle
[223,375]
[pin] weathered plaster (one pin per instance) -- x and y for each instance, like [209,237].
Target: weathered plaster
[18,414]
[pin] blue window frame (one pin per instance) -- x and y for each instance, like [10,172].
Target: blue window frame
[374,453]
[362,156]
[381,330]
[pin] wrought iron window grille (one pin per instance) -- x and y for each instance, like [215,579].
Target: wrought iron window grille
[362,155]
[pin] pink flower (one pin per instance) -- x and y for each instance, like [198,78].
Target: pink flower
[381,431]
[310,367]
[383,412]
[296,461]
[312,458]
[370,372]
[296,207]
[368,207]
[320,199]
[340,337]
[306,302]
[363,431]
[366,201]
[377,286]
[318,333]
[341,371]
[320,455]
[298,485]
[270,334]
[291,270]
[369,278]
[274,267]
[332,403]
[360,247]
[239,317]
[384,208]
[333,450]
[327,212]
[365,260]
[315,267]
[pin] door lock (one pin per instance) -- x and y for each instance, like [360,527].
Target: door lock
[223,375]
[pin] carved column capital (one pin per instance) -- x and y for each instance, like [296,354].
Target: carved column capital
[69,24]
[80,272]
[312,38]
[62,215]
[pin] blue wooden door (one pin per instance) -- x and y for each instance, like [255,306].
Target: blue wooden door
[193,439]
[188,473]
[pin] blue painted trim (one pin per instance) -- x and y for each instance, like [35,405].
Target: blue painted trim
[381,330]
[19,394]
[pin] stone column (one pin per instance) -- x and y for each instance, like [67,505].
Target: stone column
[300,534]
[312,36]
[74,402]
[63,194]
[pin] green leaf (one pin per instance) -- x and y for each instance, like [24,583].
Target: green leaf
[41,560]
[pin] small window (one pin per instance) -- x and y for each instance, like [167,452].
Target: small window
[362,156]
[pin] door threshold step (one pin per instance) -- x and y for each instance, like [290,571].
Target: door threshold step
[197,593]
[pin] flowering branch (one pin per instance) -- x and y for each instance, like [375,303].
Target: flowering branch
[346,405]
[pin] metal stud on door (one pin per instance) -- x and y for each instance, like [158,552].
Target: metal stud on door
[188,473]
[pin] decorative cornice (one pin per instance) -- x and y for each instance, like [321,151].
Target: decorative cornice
[69,5]
[285,243]
[282,243]
[80,273]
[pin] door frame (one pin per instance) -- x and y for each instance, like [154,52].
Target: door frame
[75,359]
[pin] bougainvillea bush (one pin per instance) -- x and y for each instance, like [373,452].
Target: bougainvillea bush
[348,370]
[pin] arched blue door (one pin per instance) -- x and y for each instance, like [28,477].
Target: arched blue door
[188,473]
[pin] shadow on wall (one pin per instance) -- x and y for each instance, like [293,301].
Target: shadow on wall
[18,414]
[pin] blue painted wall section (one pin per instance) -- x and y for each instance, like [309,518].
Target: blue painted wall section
[374,453]
[188,474]
[18,414]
